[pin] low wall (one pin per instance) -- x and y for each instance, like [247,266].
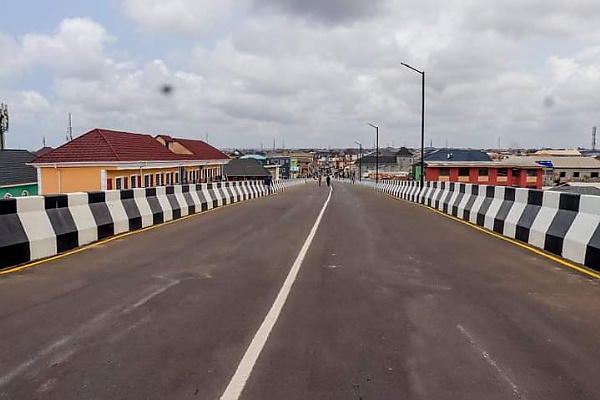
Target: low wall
[36,227]
[564,224]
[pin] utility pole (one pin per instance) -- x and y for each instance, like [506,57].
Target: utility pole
[4,124]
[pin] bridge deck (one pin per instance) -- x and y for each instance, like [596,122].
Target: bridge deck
[391,301]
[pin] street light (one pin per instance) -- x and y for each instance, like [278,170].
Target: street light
[422,119]
[359,161]
[376,152]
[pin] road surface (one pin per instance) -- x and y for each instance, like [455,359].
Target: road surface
[392,301]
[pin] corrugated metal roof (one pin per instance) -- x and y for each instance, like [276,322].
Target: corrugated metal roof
[457,155]
[245,168]
[558,153]
[559,161]
[14,169]
[488,164]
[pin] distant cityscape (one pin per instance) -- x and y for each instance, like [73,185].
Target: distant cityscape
[104,159]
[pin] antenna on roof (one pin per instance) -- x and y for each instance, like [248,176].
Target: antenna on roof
[594,138]
[43,141]
[70,130]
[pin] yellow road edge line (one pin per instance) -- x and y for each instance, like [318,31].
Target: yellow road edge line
[119,236]
[535,250]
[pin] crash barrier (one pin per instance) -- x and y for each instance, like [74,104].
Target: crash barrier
[564,224]
[36,227]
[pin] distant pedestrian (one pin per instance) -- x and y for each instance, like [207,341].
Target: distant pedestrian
[353,178]
[328,181]
[268,182]
[320,177]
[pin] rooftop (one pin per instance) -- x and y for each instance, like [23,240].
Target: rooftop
[248,167]
[14,169]
[558,161]
[101,145]
[457,155]
[487,164]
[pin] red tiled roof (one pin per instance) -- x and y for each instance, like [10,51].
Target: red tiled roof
[202,150]
[100,145]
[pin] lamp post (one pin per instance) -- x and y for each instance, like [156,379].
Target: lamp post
[376,152]
[422,119]
[359,160]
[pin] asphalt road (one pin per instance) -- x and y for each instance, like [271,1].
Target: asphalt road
[392,301]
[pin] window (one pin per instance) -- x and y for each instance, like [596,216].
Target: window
[532,172]
[502,172]
[516,172]
[463,172]
[483,172]
[24,193]
[158,180]
[168,179]
[119,183]
[563,174]
[176,178]
[146,180]
[444,172]
[594,175]
[134,181]
[576,174]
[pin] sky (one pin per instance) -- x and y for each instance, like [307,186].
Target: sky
[304,73]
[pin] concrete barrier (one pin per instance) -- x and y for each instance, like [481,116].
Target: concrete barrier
[564,224]
[36,227]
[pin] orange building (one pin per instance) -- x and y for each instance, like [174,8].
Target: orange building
[103,159]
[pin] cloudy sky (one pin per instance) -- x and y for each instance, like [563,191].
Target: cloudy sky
[307,72]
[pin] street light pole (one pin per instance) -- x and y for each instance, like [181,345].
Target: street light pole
[422,120]
[359,161]
[376,153]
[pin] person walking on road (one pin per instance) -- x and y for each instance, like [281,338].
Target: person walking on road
[320,177]
[328,181]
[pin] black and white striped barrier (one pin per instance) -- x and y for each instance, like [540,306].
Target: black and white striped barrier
[36,227]
[564,224]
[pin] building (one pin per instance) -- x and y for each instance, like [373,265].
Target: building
[103,159]
[497,173]
[17,178]
[391,162]
[449,154]
[562,169]
[248,169]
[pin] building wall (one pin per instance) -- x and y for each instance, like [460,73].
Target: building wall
[520,179]
[17,191]
[585,175]
[70,179]
[89,179]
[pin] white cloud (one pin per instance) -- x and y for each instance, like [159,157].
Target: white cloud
[179,15]
[255,70]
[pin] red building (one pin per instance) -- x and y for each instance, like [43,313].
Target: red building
[486,173]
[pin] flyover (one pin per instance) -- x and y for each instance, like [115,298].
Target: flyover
[310,294]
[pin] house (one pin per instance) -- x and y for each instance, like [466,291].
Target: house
[17,178]
[561,169]
[245,169]
[449,154]
[104,159]
[497,173]
[391,161]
